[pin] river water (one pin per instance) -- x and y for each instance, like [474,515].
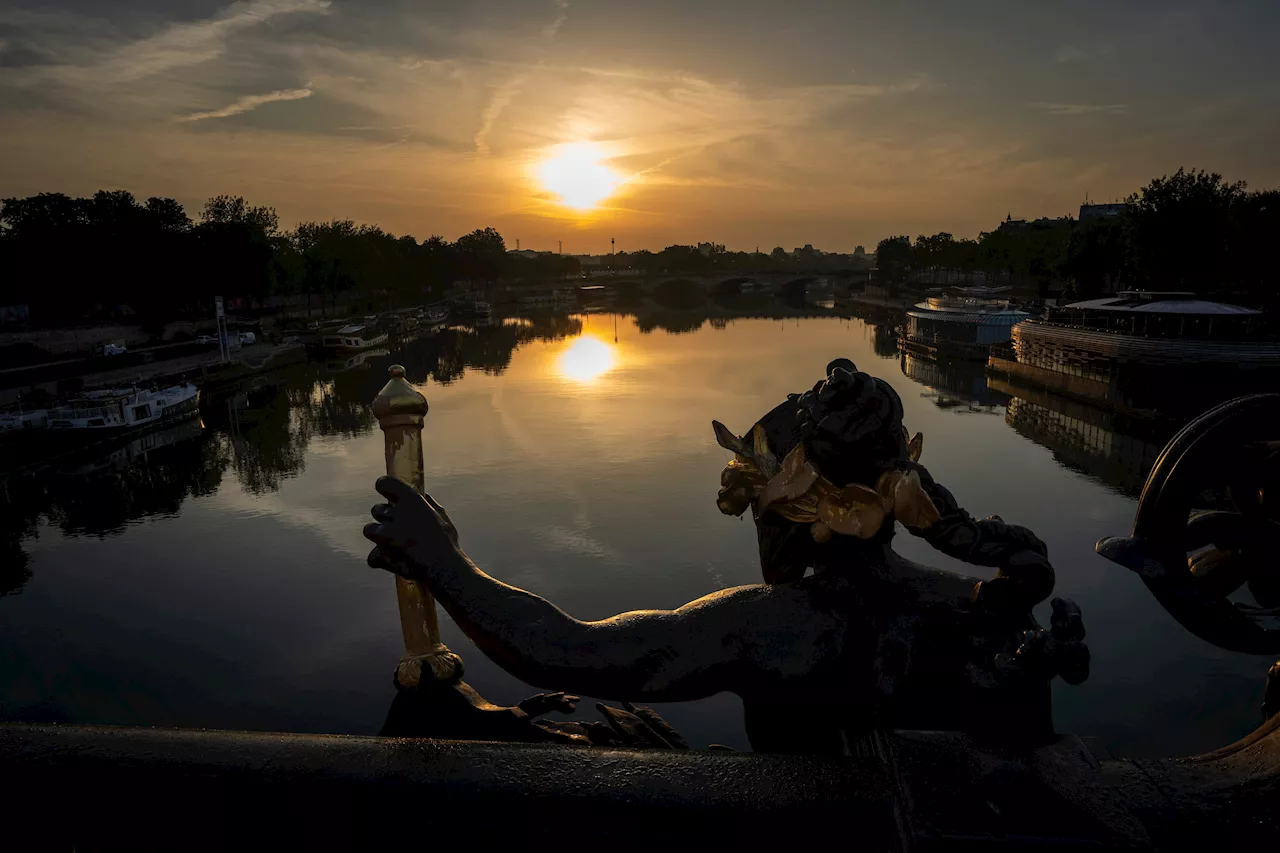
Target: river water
[214,574]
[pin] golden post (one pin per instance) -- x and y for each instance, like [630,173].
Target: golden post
[400,411]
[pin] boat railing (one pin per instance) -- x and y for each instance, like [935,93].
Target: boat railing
[68,412]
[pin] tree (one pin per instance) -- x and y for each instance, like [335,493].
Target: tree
[482,255]
[234,248]
[1096,257]
[1180,229]
[226,209]
[894,259]
[1256,226]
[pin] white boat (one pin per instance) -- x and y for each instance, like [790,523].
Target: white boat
[354,338]
[13,422]
[126,408]
[436,316]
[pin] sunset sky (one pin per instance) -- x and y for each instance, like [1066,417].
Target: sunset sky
[745,122]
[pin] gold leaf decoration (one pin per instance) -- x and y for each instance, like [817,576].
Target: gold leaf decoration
[915,447]
[798,492]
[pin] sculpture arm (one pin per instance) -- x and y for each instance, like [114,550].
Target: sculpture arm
[723,641]
[1024,575]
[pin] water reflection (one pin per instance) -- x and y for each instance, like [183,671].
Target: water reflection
[1098,444]
[952,384]
[239,543]
[259,433]
[586,359]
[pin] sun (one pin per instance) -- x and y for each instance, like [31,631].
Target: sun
[586,359]
[577,174]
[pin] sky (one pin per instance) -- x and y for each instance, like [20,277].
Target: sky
[742,122]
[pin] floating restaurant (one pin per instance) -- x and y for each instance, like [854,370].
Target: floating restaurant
[1133,349]
[959,326]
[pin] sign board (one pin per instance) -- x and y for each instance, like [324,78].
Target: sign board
[217,305]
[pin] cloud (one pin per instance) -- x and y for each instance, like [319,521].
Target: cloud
[511,88]
[187,44]
[493,110]
[1075,53]
[563,15]
[1080,109]
[249,102]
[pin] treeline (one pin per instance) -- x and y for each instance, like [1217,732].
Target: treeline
[714,258]
[70,258]
[1191,231]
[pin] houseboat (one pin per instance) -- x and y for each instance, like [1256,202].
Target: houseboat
[126,408]
[958,326]
[1143,351]
[356,337]
[16,421]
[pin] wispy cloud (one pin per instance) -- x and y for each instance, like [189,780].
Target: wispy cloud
[1078,53]
[249,102]
[511,88]
[1080,109]
[493,110]
[188,44]
[563,15]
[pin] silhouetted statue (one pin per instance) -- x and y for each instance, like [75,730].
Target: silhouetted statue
[1207,525]
[844,637]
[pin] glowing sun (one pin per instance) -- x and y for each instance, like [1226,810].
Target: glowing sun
[576,173]
[586,358]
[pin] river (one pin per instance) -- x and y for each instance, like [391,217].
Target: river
[214,574]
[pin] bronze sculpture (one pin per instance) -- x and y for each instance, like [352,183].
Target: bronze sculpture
[867,641]
[1206,526]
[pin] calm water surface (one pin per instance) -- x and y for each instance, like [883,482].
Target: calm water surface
[216,576]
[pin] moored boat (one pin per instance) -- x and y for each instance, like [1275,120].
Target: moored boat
[17,421]
[959,326]
[355,337]
[126,408]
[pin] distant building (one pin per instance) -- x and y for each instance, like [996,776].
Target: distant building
[860,252]
[526,253]
[1100,211]
[1011,225]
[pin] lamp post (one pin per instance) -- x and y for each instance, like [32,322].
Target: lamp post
[400,411]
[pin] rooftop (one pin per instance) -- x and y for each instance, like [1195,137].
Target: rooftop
[1152,302]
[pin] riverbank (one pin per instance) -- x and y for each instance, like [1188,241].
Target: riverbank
[205,370]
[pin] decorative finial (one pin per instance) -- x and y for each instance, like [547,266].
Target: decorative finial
[398,399]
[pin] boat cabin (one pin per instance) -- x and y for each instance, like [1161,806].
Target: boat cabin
[353,337]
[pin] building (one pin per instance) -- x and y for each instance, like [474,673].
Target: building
[1011,225]
[1090,212]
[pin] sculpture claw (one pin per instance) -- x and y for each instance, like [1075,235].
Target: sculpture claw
[1132,552]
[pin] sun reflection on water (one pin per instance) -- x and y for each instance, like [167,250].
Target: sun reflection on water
[586,359]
